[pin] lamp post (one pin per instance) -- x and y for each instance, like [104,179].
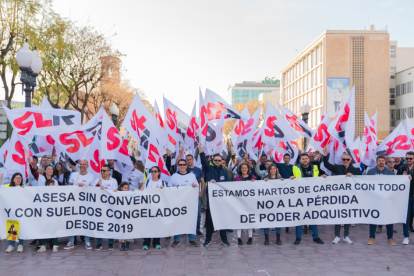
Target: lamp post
[305,109]
[115,112]
[29,65]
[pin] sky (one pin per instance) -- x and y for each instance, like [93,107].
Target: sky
[174,47]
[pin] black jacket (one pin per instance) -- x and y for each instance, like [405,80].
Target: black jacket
[401,170]
[339,169]
[117,175]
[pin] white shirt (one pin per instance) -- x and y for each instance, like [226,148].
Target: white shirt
[42,181]
[134,178]
[178,179]
[153,184]
[88,179]
[109,184]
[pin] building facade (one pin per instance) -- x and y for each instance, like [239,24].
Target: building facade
[250,90]
[326,70]
[404,100]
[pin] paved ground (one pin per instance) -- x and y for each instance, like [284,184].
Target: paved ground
[307,258]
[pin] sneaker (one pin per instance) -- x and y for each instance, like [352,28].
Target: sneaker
[336,240]
[348,240]
[9,249]
[200,234]
[175,244]
[391,242]
[98,247]
[206,243]
[297,241]
[158,246]
[193,243]
[225,243]
[34,243]
[239,242]
[395,231]
[42,248]
[69,246]
[250,241]
[287,229]
[110,246]
[20,249]
[371,241]
[145,247]
[167,238]
[352,225]
[318,240]
[55,249]
[273,230]
[406,241]
[88,245]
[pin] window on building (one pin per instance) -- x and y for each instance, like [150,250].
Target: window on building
[398,90]
[316,56]
[392,118]
[392,72]
[392,96]
[397,114]
[392,51]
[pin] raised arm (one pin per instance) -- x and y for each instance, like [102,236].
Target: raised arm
[204,161]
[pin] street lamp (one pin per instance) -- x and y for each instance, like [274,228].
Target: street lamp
[305,109]
[29,65]
[115,112]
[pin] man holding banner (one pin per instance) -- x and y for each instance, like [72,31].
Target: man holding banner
[82,178]
[214,173]
[344,169]
[183,178]
[306,169]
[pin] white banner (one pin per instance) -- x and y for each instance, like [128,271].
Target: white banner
[50,212]
[303,201]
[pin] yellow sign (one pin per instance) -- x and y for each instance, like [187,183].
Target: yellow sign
[13,230]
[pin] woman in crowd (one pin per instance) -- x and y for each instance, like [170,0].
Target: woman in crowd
[48,174]
[61,174]
[54,241]
[140,166]
[154,182]
[244,174]
[16,181]
[124,187]
[272,174]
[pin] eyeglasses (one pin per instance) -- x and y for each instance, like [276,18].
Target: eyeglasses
[104,170]
[346,159]
[391,161]
[216,160]
[17,177]
[408,158]
[182,165]
[154,171]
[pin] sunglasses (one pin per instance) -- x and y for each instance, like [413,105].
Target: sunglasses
[407,158]
[216,160]
[104,171]
[391,161]
[154,171]
[346,159]
[182,165]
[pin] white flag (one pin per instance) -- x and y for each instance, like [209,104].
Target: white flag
[396,144]
[301,128]
[244,141]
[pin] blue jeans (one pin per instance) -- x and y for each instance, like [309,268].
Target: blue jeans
[191,237]
[200,202]
[13,242]
[407,224]
[373,228]
[99,241]
[72,239]
[313,228]
[266,230]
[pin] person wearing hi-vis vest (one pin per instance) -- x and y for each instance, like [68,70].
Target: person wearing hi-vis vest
[306,169]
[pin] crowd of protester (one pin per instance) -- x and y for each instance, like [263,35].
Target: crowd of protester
[213,169]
